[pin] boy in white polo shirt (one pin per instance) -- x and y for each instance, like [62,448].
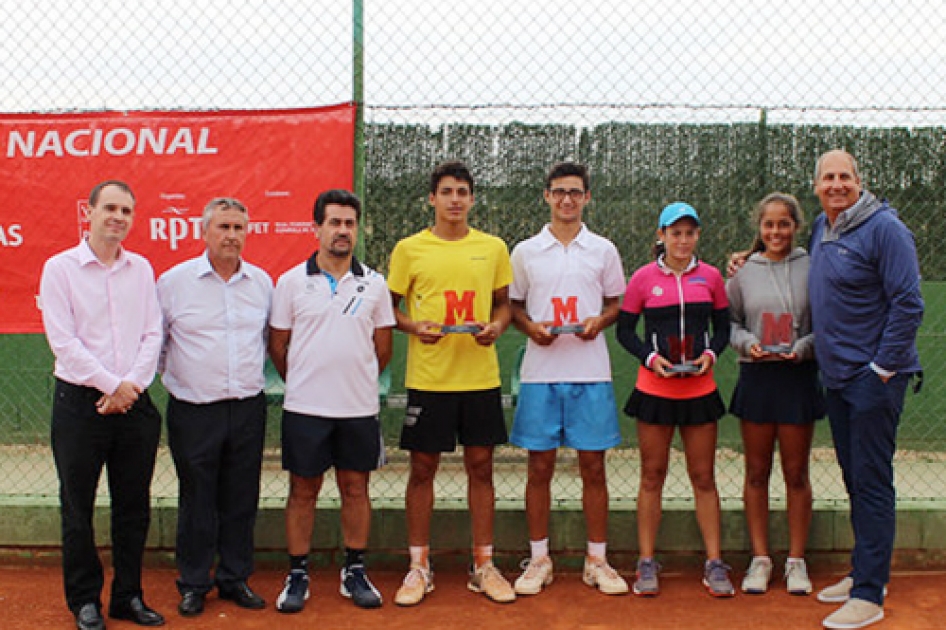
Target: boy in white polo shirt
[337,314]
[567,282]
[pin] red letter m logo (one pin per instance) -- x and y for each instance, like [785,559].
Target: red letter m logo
[566,311]
[459,308]
[776,331]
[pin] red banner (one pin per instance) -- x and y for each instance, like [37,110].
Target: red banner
[275,162]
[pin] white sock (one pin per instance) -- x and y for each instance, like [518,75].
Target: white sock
[419,555]
[540,548]
[597,550]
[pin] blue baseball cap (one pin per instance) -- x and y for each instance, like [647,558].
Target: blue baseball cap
[676,211]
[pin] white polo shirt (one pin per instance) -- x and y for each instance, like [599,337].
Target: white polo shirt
[215,331]
[566,285]
[332,369]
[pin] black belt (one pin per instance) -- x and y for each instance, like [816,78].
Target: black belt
[80,392]
[85,393]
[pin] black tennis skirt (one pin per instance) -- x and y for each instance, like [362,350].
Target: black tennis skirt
[675,412]
[781,392]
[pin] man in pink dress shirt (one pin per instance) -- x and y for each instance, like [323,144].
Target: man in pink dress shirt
[103,323]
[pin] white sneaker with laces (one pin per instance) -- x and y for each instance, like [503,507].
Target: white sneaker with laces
[796,577]
[418,582]
[758,576]
[600,574]
[536,575]
[488,580]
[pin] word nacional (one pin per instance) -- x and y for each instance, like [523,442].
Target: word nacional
[119,141]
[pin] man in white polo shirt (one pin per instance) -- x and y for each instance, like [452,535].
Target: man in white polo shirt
[216,311]
[330,337]
[567,282]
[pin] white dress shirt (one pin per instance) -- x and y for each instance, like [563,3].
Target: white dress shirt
[215,331]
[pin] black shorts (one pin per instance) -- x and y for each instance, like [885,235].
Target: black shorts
[435,421]
[313,444]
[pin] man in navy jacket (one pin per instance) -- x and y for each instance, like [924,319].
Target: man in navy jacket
[866,306]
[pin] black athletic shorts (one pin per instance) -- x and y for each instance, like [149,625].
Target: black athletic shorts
[313,444]
[435,421]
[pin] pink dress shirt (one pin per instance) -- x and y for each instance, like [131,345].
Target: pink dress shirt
[102,323]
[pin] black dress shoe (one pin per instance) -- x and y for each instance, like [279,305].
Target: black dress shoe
[242,595]
[192,604]
[90,618]
[137,611]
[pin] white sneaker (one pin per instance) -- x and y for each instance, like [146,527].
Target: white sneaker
[796,577]
[837,593]
[418,582]
[488,580]
[599,573]
[840,592]
[536,576]
[855,613]
[758,576]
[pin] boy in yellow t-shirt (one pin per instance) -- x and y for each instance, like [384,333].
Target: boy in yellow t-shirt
[454,281]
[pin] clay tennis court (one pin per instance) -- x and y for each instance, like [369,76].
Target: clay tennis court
[31,598]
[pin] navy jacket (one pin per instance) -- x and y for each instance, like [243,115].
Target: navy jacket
[864,287]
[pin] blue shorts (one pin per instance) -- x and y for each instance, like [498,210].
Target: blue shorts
[582,416]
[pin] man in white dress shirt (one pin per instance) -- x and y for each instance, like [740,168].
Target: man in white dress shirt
[216,313]
[103,325]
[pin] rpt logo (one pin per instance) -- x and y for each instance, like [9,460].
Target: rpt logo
[175,227]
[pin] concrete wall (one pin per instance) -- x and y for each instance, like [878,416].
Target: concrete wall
[29,530]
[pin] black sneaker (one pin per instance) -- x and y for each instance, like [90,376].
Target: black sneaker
[295,593]
[356,586]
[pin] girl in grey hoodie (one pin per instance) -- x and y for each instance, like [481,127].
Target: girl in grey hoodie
[778,395]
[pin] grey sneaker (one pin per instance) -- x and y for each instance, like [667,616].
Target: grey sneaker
[646,584]
[758,576]
[716,578]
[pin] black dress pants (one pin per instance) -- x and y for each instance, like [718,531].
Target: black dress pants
[83,443]
[218,451]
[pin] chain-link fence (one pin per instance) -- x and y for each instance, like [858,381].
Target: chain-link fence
[713,102]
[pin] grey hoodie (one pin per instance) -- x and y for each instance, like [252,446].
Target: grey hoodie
[761,294]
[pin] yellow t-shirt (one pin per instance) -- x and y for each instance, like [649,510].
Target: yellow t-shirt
[452,283]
